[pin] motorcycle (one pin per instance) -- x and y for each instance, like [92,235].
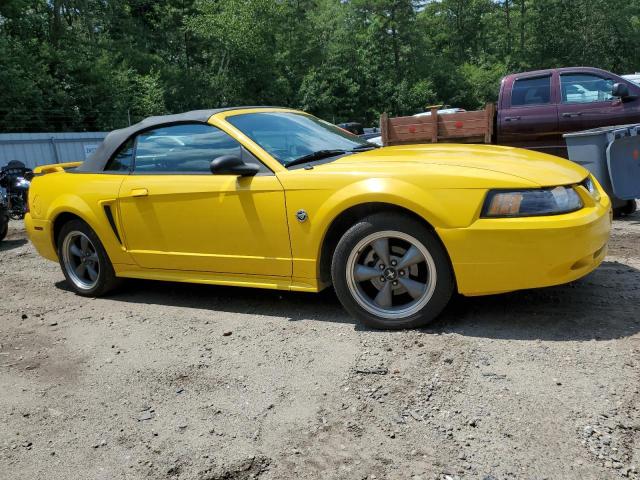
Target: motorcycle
[15,180]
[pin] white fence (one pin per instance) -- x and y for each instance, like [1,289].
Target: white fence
[35,149]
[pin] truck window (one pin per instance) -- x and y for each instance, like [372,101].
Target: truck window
[531,91]
[585,88]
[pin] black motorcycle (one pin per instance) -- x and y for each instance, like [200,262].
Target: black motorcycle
[14,179]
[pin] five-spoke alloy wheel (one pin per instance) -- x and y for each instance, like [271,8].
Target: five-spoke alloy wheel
[80,260]
[84,261]
[392,272]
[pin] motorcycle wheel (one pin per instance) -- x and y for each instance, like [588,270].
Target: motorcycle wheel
[4,228]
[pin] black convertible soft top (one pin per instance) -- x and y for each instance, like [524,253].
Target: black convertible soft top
[99,158]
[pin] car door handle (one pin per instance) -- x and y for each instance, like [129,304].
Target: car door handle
[139,192]
[571,115]
[512,119]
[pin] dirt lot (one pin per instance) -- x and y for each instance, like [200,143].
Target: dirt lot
[196,382]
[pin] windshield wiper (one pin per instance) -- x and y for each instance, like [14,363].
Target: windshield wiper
[320,154]
[360,148]
[317,155]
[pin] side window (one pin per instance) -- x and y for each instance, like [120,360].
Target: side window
[186,148]
[585,88]
[122,160]
[531,91]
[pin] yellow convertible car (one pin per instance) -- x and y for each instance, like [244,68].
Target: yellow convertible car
[276,198]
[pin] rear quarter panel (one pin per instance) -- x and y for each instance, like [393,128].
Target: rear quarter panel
[84,195]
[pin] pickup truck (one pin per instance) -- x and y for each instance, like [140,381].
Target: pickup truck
[534,110]
[632,77]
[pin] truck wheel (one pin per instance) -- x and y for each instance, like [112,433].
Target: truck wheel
[84,261]
[392,272]
[630,208]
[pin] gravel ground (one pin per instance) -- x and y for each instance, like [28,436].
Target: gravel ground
[174,381]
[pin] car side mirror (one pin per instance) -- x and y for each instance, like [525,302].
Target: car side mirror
[232,165]
[620,90]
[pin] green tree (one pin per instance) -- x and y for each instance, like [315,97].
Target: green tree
[98,64]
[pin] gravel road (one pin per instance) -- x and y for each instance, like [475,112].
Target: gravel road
[174,381]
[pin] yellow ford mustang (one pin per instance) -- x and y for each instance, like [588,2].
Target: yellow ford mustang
[276,198]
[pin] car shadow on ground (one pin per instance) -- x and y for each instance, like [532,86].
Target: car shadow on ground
[602,306]
[11,244]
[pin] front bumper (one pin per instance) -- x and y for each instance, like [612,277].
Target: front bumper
[506,254]
[40,233]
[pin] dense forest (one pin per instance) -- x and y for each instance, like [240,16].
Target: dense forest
[101,64]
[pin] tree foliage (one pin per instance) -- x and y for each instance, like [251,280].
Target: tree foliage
[100,64]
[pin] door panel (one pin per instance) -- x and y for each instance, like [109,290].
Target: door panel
[586,102]
[576,117]
[213,223]
[530,117]
[530,127]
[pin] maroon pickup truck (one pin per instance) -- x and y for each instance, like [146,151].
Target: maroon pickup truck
[536,108]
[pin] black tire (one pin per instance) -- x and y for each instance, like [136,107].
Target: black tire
[630,208]
[4,227]
[106,279]
[368,227]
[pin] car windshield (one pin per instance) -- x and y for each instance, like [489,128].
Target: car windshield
[289,136]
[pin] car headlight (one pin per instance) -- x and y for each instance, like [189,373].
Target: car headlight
[531,202]
[590,185]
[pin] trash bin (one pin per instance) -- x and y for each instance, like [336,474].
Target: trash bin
[612,155]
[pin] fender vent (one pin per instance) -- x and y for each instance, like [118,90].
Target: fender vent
[109,214]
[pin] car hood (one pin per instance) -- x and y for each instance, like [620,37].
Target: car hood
[539,168]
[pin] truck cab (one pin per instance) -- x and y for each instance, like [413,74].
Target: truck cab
[536,108]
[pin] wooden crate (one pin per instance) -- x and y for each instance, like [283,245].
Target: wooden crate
[463,127]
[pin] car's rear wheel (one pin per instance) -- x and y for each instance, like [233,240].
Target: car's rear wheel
[84,261]
[391,271]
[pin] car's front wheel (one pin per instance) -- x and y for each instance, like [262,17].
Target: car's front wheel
[391,271]
[84,261]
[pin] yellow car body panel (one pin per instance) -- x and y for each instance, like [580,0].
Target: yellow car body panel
[82,195]
[244,231]
[506,254]
[211,223]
